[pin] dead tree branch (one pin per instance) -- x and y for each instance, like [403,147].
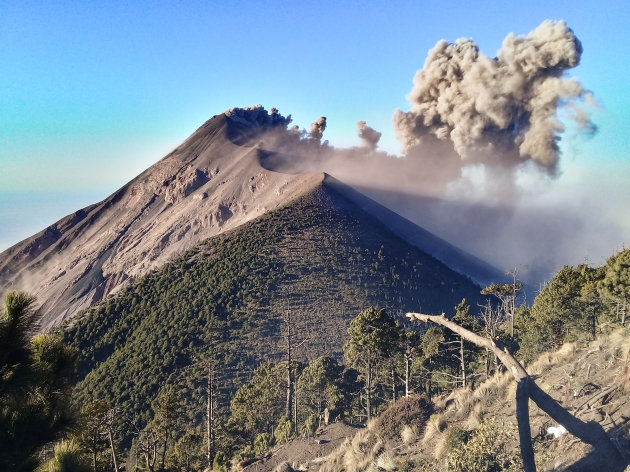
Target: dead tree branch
[591,433]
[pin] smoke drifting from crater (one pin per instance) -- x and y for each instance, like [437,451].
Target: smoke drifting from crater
[369,136]
[497,111]
[317,128]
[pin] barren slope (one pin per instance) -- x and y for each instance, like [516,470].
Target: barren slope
[211,183]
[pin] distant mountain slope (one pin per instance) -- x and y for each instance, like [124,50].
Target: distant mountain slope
[458,260]
[321,258]
[211,183]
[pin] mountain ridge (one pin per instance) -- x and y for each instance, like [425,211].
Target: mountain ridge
[320,258]
[205,186]
[216,180]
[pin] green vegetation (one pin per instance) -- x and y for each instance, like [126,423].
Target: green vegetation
[479,450]
[575,305]
[34,390]
[413,411]
[320,386]
[373,339]
[257,406]
[67,457]
[321,259]
[267,332]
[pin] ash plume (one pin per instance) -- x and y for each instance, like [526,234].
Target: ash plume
[257,116]
[317,128]
[497,111]
[369,136]
[481,156]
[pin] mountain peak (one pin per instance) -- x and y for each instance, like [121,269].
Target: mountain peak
[211,183]
[215,181]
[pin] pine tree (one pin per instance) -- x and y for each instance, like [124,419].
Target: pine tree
[34,391]
[373,338]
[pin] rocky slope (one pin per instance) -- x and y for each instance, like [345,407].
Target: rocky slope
[320,258]
[211,183]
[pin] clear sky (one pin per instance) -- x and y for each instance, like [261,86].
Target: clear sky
[92,93]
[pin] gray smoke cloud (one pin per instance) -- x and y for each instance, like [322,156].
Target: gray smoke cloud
[481,156]
[317,128]
[258,116]
[497,111]
[369,136]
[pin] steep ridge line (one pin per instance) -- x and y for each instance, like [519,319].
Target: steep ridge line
[204,187]
[458,260]
[215,181]
[321,257]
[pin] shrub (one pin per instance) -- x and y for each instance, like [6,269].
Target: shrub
[481,452]
[407,466]
[262,443]
[248,452]
[453,440]
[310,425]
[411,411]
[67,458]
[283,431]
[220,463]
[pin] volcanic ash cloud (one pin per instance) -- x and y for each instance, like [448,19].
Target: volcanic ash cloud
[497,111]
[368,135]
[317,128]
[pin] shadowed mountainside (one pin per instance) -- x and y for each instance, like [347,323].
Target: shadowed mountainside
[321,258]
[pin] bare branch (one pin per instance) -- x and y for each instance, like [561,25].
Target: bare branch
[591,433]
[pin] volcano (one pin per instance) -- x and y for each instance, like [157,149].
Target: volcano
[216,181]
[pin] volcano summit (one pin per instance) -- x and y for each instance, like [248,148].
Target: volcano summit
[218,179]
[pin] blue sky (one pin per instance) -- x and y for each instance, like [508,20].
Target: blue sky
[92,93]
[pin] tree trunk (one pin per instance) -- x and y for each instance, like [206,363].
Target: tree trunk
[513,308]
[591,433]
[524,430]
[496,364]
[94,451]
[289,398]
[368,386]
[163,459]
[295,407]
[136,459]
[393,386]
[487,364]
[111,445]
[210,426]
[462,360]
[407,375]
[288,407]
[150,461]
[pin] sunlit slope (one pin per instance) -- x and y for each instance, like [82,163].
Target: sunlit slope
[211,183]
